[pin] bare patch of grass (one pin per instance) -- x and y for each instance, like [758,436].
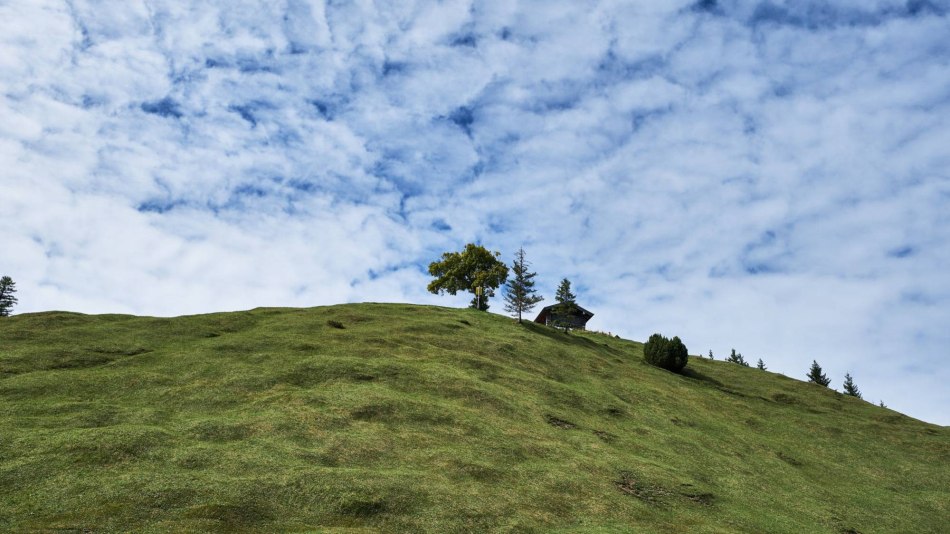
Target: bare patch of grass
[698,497]
[559,423]
[649,493]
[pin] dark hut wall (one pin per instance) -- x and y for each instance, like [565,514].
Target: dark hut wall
[577,322]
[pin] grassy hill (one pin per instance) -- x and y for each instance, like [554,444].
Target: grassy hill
[425,419]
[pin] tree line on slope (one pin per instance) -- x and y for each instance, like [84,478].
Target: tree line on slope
[815,374]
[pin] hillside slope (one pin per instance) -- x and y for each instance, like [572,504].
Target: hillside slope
[425,419]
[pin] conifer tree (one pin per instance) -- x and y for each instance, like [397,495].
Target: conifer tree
[566,305]
[520,295]
[849,386]
[711,357]
[815,375]
[564,295]
[761,365]
[736,357]
[7,300]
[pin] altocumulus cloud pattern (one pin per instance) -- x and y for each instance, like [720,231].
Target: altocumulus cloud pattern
[769,175]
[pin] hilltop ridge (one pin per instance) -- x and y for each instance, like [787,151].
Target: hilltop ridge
[397,417]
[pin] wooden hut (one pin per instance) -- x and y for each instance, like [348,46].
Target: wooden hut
[577,319]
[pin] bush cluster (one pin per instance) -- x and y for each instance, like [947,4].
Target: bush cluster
[670,354]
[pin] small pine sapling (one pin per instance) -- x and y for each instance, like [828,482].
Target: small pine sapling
[736,357]
[816,376]
[849,386]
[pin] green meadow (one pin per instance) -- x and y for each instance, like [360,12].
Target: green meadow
[404,418]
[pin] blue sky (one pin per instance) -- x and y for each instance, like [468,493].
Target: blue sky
[768,176]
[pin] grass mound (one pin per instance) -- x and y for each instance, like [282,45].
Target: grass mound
[411,418]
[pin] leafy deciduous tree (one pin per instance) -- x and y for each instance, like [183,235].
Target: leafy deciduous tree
[520,295]
[7,300]
[473,268]
[815,375]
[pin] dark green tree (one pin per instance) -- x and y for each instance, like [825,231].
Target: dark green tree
[520,295]
[7,300]
[761,365]
[566,305]
[736,357]
[882,405]
[815,375]
[711,357]
[849,386]
[564,294]
[670,354]
[473,268]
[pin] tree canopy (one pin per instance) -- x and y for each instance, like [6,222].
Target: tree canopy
[670,354]
[475,267]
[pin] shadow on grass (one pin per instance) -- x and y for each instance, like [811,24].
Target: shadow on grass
[558,335]
[234,516]
[68,359]
[696,375]
[711,382]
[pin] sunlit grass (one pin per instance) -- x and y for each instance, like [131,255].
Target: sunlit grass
[424,419]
